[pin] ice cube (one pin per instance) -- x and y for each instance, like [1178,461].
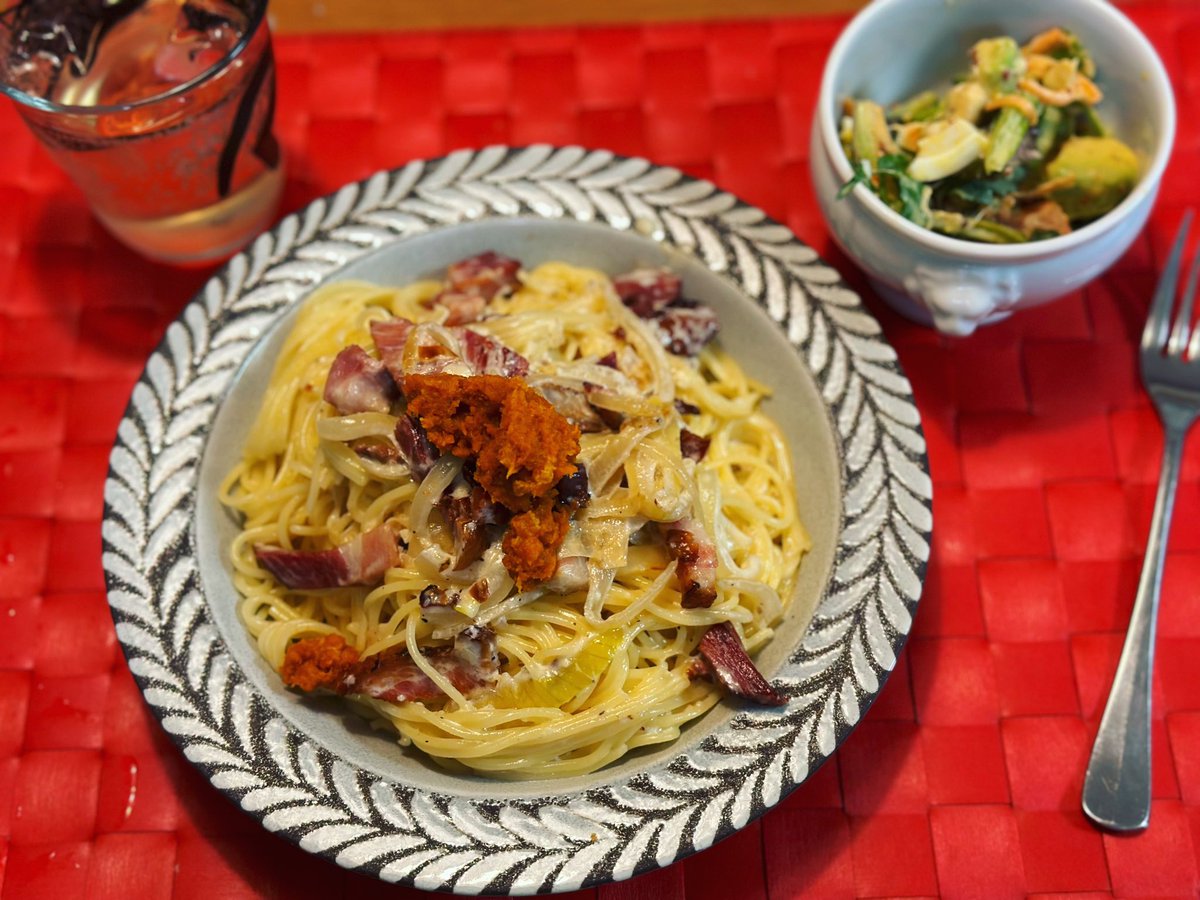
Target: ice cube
[182,59]
[44,36]
[205,31]
[33,76]
[221,21]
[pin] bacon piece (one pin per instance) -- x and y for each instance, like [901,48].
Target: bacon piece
[692,445]
[473,282]
[392,675]
[612,419]
[686,409]
[689,544]
[573,491]
[685,329]
[481,590]
[358,382]
[428,355]
[572,404]
[485,274]
[487,356]
[481,354]
[377,449]
[699,668]
[432,597]
[437,606]
[463,308]
[723,650]
[609,359]
[647,291]
[362,560]
[469,517]
[390,336]
[416,449]
[684,326]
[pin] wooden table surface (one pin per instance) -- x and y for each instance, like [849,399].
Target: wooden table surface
[300,16]
[317,16]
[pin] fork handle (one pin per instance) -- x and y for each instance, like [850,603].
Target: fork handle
[1116,789]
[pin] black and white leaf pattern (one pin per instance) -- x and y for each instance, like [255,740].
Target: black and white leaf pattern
[367,851]
[773,780]
[531,828]
[309,763]
[563,841]
[277,741]
[207,754]
[389,807]
[482,831]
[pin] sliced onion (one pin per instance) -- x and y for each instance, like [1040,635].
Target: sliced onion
[627,404]
[440,477]
[600,582]
[345,462]
[661,481]
[609,461]
[357,425]
[606,540]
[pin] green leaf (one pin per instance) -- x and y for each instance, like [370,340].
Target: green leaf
[989,190]
[862,175]
[892,184]
[909,194]
[894,164]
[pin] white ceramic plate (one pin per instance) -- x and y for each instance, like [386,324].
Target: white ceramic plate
[313,771]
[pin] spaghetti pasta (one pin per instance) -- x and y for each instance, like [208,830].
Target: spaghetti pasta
[385,552]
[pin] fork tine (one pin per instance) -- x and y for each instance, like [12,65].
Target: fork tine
[1178,341]
[1154,335]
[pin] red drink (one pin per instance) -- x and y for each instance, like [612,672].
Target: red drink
[160,110]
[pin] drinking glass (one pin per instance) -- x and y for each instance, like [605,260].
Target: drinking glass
[159,110]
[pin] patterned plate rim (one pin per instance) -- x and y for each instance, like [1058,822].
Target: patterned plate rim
[416,837]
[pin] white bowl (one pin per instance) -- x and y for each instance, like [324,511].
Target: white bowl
[314,772]
[895,48]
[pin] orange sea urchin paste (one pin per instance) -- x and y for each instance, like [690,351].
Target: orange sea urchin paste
[320,662]
[521,447]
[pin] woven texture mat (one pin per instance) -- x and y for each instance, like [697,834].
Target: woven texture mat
[964,778]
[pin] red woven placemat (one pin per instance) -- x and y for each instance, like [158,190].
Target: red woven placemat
[964,778]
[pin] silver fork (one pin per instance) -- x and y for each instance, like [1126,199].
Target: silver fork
[1116,789]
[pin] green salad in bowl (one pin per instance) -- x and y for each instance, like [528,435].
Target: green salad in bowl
[1011,152]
